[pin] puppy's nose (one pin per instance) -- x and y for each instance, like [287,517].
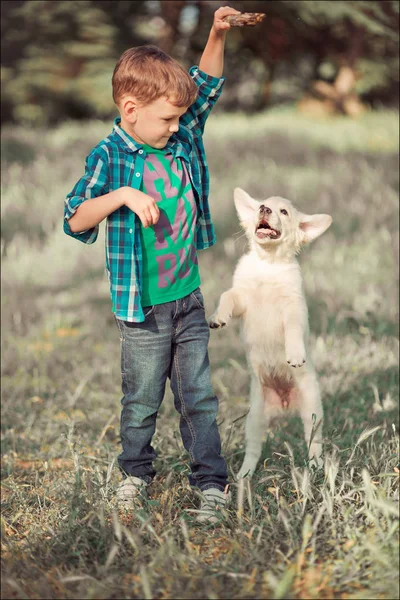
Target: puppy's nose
[265,209]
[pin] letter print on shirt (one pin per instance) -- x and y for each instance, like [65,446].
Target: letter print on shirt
[170,256]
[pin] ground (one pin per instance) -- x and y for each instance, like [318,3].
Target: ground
[290,533]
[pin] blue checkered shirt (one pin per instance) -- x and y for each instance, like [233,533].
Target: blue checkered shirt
[118,161]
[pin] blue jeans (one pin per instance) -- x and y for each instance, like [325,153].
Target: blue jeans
[171,342]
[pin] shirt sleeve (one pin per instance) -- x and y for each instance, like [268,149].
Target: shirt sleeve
[93,183]
[209,90]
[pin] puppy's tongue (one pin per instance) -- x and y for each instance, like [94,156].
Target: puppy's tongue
[262,233]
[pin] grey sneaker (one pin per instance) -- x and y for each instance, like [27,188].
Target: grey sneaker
[212,502]
[130,489]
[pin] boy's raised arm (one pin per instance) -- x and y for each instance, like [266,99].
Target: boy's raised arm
[212,59]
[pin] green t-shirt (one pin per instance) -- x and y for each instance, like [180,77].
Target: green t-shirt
[170,266]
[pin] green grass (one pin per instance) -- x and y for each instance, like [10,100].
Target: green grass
[291,533]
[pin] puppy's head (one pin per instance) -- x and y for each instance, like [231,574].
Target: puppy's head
[275,222]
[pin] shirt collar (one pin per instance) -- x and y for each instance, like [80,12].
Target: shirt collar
[171,144]
[125,140]
[128,143]
[174,146]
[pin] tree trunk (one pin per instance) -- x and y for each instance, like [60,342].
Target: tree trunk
[171,13]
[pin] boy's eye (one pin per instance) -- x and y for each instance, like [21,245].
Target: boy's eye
[283,211]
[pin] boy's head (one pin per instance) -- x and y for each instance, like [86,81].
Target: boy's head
[151,91]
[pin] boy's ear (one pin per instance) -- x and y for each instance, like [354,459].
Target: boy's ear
[312,226]
[129,108]
[246,206]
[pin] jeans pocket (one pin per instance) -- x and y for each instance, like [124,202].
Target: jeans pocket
[148,311]
[120,327]
[198,298]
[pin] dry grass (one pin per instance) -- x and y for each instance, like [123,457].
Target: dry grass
[292,533]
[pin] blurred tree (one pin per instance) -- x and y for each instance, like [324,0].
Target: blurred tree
[342,49]
[356,46]
[171,13]
[333,51]
[58,56]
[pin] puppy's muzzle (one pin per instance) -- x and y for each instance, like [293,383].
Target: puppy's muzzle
[263,228]
[265,210]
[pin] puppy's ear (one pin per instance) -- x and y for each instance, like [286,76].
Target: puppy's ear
[246,206]
[312,226]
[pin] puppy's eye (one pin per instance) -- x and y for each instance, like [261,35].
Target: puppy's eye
[283,211]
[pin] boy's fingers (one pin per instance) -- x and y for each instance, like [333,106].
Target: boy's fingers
[153,211]
[224,11]
[155,214]
[146,218]
[149,215]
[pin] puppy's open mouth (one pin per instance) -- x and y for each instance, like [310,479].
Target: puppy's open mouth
[264,230]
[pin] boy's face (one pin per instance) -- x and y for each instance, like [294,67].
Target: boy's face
[154,123]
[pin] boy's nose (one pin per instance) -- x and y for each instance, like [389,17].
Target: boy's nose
[174,128]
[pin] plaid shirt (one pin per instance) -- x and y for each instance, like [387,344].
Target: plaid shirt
[118,161]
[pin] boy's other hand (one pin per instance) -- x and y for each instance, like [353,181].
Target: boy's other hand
[219,25]
[144,206]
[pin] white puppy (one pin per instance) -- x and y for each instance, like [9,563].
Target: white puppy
[267,293]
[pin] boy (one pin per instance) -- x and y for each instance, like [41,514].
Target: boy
[149,178]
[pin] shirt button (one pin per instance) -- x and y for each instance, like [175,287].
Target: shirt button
[137,174]
[131,230]
[140,151]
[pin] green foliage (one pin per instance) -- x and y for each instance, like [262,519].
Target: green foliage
[369,15]
[66,51]
[377,75]
[58,57]
[364,33]
[14,150]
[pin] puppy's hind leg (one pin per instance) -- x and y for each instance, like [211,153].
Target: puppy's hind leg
[256,423]
[311,412]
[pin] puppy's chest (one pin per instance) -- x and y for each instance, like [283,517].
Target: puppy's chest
[268,298]
[266,302]
[271,291]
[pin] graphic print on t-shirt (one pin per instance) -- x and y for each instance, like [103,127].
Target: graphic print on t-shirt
[170,267]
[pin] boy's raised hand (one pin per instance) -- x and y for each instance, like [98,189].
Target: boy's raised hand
[219,25]
[144,206]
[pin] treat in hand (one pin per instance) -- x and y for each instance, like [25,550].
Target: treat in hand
[243,19]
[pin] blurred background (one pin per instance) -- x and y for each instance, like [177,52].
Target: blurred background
[309,112]
[330,57]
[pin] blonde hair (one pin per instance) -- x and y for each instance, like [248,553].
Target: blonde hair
[148,73]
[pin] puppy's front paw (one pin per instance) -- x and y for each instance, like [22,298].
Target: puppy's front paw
[296,357]
[215,321]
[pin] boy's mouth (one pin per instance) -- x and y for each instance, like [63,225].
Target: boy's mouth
[264,230]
